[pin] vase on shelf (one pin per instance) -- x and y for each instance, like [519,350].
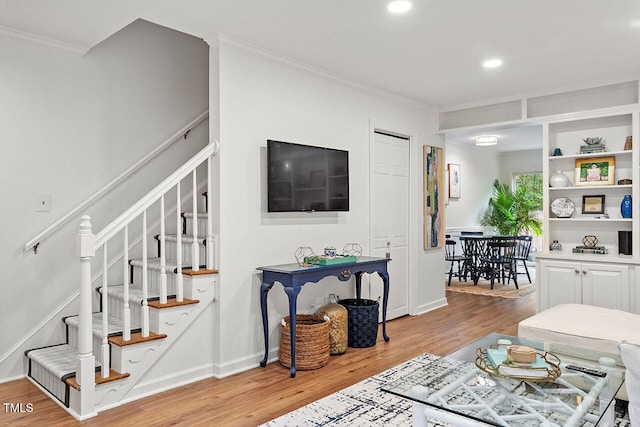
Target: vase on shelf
[559,179]
[625,206]
[555,246]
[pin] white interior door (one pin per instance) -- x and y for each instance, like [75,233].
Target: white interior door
[390,218]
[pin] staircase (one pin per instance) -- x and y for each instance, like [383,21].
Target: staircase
[112,345]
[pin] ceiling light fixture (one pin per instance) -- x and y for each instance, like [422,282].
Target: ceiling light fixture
[399,6]
[485,140]
[492,63]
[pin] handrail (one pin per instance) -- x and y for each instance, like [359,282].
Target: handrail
[116,225]
[72,214]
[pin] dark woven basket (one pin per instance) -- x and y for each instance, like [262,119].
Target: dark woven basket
[363,321]
[312,342]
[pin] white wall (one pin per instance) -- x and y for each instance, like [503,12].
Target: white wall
[513,162]
[262,98]
[478,169]
[68,125]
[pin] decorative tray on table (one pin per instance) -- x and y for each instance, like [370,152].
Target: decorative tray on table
[323,260]
[495,361]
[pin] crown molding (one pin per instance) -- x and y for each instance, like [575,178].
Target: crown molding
[14,35]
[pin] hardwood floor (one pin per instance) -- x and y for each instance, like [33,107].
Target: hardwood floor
[261,394]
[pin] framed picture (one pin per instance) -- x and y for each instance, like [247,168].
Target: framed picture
[433,177]
[595,171]
[454,181]
[593,204]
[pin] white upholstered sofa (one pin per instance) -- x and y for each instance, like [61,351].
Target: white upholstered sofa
[589,327]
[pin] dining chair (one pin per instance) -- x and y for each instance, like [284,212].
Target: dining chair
[462,261]
[523,248]
[499,260]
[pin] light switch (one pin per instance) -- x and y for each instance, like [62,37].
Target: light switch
[43,202]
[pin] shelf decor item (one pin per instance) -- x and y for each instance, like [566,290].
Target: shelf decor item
[589,241]
[593,204]
[555,246]
[563,207]
[626,206]
[628,143]
[595,171]
[559,179]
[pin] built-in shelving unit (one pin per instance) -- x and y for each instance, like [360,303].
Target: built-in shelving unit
[613,113]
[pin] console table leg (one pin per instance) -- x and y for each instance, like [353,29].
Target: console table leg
[292,293]
[385,299]
[264,291]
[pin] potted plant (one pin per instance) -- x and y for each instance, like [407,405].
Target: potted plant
[511,212]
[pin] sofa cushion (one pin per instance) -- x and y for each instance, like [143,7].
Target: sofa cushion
[630,353]
[583,326]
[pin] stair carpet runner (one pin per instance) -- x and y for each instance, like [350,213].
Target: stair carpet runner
[53,367]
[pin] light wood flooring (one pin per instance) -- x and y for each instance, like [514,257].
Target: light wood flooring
[256,396]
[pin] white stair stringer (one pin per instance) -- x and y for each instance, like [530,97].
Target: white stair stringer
[138,359]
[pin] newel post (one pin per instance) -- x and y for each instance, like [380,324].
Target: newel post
[85,366]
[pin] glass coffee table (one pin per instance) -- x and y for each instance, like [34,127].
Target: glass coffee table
[453,389]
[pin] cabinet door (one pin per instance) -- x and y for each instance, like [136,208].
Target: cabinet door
[605,285]
[558,283]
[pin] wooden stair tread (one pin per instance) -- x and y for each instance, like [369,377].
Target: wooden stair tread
[188,272]
[113,376]
[136,338]
[172,302]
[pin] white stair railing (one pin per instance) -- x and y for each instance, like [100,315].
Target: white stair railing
[88,244]
[34,243]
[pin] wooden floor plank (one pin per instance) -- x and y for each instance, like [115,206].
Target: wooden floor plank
[261,394]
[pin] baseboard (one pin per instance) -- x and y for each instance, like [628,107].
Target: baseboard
[425,308]
[166,383]
[8,380]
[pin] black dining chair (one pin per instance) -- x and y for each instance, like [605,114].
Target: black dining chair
[462,261]
[523,248]
[499,260]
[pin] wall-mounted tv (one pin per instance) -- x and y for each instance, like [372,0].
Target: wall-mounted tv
[304,178]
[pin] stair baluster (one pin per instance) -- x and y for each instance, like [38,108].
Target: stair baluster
[145,284]
[126,311]
[163,256]
[105,313]
[195,249]
[209,239]
[179,279]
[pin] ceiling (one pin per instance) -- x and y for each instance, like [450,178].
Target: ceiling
[431,55]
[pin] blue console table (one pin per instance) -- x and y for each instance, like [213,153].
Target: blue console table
[293,277]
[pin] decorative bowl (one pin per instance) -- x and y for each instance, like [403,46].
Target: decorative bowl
[593,141]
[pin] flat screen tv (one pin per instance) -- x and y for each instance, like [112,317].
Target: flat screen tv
[304,178]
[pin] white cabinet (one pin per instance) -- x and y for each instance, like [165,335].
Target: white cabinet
[593,283]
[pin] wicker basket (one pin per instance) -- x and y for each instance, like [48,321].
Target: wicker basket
[312,342]
[363,321]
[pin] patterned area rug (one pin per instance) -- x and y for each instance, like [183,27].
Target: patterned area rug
[499,290]
[364,404]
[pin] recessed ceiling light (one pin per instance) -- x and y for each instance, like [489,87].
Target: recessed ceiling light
[485,140]
[399,6]
[492,63]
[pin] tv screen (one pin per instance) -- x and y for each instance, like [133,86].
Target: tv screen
[303,178]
